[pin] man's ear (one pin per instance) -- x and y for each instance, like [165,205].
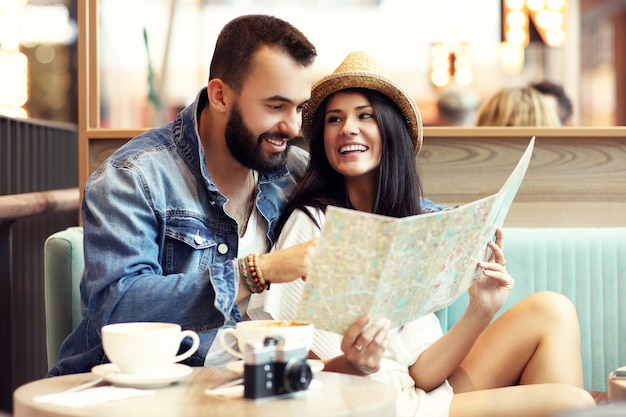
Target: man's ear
[217,92]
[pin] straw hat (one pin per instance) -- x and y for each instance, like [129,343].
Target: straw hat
[360,70]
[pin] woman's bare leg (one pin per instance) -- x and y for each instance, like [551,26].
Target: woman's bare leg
[539,400]
[535,341]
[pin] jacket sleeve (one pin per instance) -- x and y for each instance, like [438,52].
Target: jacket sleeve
[124,278]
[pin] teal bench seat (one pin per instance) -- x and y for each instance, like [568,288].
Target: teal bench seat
[588,265]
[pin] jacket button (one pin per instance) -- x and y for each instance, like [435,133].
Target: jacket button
[222,248]
[198,239]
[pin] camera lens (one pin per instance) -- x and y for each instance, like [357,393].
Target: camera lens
[297,375]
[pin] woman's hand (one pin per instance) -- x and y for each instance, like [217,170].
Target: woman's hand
[364,346]
[489,293]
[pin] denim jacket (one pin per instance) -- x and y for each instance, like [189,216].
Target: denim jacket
[158,243]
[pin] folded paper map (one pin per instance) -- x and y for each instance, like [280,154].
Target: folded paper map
[400,268]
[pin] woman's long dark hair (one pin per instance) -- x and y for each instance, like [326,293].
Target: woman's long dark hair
[397,192]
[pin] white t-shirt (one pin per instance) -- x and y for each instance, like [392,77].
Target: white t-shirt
[253,240]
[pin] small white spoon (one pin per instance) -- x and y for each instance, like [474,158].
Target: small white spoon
[85,385]
[88,384]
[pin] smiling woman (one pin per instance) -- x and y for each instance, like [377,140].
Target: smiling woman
[481,365]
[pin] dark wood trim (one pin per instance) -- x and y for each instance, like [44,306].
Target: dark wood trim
[13,208]
[16,206]
[6,315]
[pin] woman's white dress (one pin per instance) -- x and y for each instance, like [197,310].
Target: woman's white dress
[405,344]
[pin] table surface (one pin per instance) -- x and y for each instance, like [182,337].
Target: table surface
[338,395]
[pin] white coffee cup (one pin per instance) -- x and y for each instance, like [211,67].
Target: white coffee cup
[257,330]
[146,347]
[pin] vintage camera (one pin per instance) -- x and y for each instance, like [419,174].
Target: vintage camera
[275,368]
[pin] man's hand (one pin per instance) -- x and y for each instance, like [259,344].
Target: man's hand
[288,264]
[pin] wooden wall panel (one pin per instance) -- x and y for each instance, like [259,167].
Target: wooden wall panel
[101,149]
[577,177]
[571,181]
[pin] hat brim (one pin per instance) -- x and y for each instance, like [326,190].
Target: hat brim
[363,79]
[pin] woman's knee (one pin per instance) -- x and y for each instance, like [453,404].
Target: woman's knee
[552,305]
[574,398]
[565,398]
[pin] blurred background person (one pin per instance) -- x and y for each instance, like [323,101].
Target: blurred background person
[517,106]
[557,98]
[456,106]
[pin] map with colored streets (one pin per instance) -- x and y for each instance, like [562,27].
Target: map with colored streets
[401,268]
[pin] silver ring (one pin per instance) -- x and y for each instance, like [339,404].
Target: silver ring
[359,347]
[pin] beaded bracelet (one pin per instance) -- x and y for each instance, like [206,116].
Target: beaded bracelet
[253,272]
[244,273]
[265,283]
[256,274]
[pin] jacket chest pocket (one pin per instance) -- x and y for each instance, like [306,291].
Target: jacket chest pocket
[189,245]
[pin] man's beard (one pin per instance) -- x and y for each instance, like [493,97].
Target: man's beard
[241,143]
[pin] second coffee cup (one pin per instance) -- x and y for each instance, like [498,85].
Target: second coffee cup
[146,347]
[257,330]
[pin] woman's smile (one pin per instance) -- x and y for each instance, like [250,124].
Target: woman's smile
[344,149]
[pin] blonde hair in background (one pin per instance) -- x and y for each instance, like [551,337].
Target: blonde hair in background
[517,106]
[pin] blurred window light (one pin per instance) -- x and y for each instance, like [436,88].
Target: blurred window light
[450,61]
[13,79]
[511,58]
[548,19]
[464,77]
[535,4]
[547,15]
[516,18]
[45,54]
[556,4]
[48,25]
[555,36]
[13,63]
[514,4]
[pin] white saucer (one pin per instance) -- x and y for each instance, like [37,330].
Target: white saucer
[168,375]
[236,367]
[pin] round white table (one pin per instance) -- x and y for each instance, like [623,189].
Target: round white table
[338,395]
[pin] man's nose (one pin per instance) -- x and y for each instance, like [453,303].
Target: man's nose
[291,123]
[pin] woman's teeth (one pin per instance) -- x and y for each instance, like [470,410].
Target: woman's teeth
[352,148]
